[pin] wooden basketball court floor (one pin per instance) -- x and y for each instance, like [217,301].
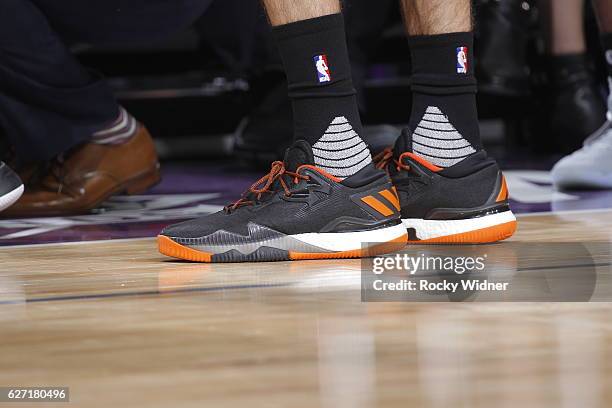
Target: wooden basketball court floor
[123,326]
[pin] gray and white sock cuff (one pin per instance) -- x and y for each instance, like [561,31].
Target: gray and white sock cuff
[340,151]
[437,140]
[123,128]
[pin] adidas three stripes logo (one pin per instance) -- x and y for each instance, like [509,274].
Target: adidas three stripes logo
[437,140]
[340,151]
[385,202]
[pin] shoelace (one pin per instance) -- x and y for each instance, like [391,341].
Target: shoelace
[264,184]
[384,158]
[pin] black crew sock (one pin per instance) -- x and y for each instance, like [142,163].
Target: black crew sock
[444,118]
[325,112]
[565,69]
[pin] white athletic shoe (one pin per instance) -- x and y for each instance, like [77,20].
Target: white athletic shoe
[589,167]
[11,187]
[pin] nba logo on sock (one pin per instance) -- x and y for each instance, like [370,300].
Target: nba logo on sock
[322,68]
[462,60]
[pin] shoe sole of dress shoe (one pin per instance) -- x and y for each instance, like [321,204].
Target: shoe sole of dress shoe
[10,198]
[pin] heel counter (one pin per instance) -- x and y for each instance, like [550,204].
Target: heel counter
[504,194]
[500,192]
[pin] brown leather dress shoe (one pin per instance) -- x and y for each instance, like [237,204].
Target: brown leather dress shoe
[89,175]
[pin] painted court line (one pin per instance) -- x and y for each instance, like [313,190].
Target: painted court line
[140,293]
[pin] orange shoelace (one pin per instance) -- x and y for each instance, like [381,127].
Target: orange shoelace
[264,184]
[382,160]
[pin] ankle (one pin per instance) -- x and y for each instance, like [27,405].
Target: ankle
[325,112]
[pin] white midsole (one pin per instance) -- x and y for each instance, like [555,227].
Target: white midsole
[348,241]
[428,229]
[9,198]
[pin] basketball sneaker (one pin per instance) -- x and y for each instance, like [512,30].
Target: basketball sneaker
[297,211]
[466,203]
[589,167]
[11,187]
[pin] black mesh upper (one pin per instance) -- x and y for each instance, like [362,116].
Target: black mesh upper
[421,190]
[301,213]
[314,204]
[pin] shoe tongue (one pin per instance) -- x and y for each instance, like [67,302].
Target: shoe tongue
[403,143]
[298,154]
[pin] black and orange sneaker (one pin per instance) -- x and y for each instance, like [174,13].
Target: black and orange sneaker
[466,203]
[297,211]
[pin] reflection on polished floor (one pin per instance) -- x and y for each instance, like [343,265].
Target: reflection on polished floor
[123,326]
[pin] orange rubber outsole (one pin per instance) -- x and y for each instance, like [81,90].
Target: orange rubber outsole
[175,250]
[487,235]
